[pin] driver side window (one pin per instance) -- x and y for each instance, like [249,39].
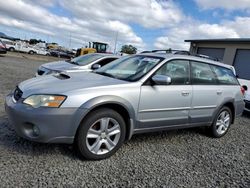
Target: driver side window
[177,70]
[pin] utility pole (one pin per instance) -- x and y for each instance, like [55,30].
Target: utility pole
[69,40]
[116,36]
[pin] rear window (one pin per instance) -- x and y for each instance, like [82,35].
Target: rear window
[224,76]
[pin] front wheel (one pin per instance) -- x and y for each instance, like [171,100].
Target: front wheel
[221,123]
[12,49]
[101,134]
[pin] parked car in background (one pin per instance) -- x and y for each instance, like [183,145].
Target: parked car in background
[42,51]
[83,63]
[10,45]
[246,85]
[61,53]
[246,98]
[25,47]
[142,93]
[3,49]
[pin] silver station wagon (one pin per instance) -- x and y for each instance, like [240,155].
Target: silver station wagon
[98,111]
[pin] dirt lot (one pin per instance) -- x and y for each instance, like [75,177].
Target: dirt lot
[182,158]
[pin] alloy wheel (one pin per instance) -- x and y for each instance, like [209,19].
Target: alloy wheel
[223,122]
[103,135]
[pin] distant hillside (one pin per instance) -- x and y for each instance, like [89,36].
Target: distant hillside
[3,35]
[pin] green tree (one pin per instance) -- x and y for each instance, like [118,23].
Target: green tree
[128,49]
[35,41]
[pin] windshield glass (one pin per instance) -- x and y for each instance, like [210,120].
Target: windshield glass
[86,59]
[129,68]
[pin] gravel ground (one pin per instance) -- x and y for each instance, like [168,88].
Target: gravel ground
[182,158]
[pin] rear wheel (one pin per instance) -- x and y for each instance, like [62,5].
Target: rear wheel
[101,134]
[221,123]
[31,52]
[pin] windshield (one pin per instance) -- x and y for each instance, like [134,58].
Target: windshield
[129,68]
[86,59]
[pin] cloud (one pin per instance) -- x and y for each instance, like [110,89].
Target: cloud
[224,4]
[33,17]
[23,25]
[175,37]
[148,13]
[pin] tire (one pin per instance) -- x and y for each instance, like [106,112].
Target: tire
[101,134]
[31,52]
[11,49]
[221,123]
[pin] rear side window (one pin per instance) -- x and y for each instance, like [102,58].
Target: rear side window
[202,74]
[224,76]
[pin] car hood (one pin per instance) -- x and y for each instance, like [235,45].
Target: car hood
[62,66]
[62,83]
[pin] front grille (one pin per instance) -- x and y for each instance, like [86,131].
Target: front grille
[17,94]
[247,104]
[40,72]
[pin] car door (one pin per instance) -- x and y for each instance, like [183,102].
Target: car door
[206,93]
[166,105]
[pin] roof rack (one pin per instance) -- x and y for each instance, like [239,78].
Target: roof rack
[206,57]
[182,52]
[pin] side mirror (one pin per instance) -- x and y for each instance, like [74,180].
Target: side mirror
[161,79]
[95,66]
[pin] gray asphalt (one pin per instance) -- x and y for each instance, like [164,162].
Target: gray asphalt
[181,158]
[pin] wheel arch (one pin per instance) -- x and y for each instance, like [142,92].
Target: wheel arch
[228,103]
[120,105]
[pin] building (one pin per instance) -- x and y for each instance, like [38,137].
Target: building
[234,52]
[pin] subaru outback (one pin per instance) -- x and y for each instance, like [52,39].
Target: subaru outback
[98,111]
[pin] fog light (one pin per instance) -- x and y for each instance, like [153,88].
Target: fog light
[36,130]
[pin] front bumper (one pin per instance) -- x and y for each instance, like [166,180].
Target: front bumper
[3,51]
[47,125]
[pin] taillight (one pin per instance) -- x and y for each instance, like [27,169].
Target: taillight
[242,89]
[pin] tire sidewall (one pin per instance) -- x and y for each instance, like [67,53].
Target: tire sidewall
[214,132]
[86,124]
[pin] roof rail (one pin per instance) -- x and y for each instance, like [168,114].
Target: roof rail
[182,52]
[206,57]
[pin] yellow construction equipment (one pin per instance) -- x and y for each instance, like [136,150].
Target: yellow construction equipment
[94,47]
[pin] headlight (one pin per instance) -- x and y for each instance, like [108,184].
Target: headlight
[45,100]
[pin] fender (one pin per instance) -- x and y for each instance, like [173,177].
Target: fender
[110,99]
[226,100]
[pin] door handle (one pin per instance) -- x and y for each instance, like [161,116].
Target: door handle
[185,93]
[219,92]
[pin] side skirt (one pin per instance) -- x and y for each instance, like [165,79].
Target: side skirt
[171,127]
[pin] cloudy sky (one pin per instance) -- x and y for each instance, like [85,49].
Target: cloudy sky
[146,24]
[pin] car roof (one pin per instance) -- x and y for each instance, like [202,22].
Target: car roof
[187,57]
